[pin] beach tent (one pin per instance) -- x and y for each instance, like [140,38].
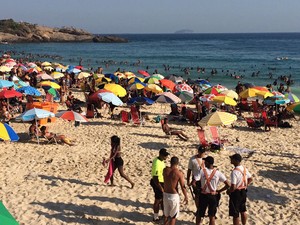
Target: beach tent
[5,217]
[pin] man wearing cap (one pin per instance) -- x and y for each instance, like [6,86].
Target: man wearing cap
[194,167]
[173,176]
[209,198]
[157,181]
[240,179]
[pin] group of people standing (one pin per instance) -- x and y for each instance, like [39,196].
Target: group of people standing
[205,181]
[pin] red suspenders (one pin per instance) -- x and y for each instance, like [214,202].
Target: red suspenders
[207,182]
[244,182]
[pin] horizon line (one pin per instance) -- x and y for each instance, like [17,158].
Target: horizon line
[286,32]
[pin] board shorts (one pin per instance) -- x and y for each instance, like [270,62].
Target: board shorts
[237,202]
[171,205]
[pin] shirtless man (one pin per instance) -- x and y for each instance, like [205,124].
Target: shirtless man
[170,131]
[173,176]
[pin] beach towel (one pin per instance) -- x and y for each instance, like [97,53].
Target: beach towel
[110,171]
[240,150]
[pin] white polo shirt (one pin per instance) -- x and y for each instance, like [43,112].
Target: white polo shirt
[195,167]
[237,177]
[217,178]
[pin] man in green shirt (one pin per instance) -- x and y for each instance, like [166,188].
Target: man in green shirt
[157,181]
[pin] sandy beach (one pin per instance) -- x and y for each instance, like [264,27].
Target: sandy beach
[61,184]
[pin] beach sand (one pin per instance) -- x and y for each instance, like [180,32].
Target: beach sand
[61,184]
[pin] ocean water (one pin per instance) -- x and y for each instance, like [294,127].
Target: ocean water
[230,54]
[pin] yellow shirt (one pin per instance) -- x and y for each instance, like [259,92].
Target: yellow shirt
[157,169]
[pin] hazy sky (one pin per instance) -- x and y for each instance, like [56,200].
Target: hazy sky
[159,16]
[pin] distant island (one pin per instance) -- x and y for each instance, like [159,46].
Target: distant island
[184,31]
[23,32]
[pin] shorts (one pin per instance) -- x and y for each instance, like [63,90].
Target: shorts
[157,192]
[197,189]
[118,162]
[237,202]
[171,205]
[208,201]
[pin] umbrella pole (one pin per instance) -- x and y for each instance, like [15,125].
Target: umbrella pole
[36,132]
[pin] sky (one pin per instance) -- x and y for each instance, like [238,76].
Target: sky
[159,16]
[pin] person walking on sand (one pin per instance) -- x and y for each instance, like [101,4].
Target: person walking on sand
[117,161]
[210,196]
[194,167]
[157,181]
[173,176]
[240,180]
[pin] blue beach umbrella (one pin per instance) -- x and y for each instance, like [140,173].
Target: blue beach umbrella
[6,83]
[140,101]
[28,90]
[7,133]
[35,114]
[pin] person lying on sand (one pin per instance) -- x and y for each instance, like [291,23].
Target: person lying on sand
[60,137]
[170,131]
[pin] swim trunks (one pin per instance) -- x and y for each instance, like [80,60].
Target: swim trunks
[171,205]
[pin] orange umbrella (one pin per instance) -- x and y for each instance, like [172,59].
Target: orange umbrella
[168,84]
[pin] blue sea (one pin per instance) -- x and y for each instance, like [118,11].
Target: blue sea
[267,56]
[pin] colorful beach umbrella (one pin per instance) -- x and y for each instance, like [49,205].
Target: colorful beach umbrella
[35,114]
[140,101]
[151,80]
[218,119]
[167,97]
[157,76]
[28,90]
[5,69]
[154,88]
[230,93]
[250,92]
[49,83]
[185,96]
[5,217]
[117,89]
[44,76]
[10,94]
[184,87]
[144,73]
[225,99]
[72,116]
[7,134]
[168,84]
[46,64]
[291,97]
[137,86]
[110,98]
[6,83]
[136,80]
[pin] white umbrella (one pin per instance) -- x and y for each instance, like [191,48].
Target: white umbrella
[110,98]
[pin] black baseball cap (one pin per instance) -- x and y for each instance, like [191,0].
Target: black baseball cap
[201,149]
[163,152]
[237,157]
[209,159]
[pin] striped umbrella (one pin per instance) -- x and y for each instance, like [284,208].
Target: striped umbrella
[184,87]
[185,96]
[71,116]
[218,119]
[7,133]
[167,97]
[291,97]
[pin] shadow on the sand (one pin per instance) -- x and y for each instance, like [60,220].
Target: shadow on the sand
[281,176]
[153,145]
[240,128]
[120,201]
[75,181]
[85,214]
[150,135]
[266,195]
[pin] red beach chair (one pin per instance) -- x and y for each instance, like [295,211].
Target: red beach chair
[202,138]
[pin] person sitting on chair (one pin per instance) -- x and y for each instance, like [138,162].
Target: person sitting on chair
[49,135]
[170,131]
[34,131]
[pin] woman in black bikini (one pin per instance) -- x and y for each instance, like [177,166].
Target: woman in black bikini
[115,154]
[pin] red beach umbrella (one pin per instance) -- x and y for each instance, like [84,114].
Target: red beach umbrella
[72,116]
[93,98]
[144,73]
[10,94]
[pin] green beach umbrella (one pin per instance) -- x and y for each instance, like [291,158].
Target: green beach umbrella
[5,217]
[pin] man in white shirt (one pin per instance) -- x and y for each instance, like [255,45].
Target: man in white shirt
[194,167]
[240,179]
[210,195]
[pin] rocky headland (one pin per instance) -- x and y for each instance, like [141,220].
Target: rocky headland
[23,32]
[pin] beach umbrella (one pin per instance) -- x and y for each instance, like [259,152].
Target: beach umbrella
[230,93]
[261,88]
[7,133]
[31,65]
[57,75]
[168,84]
[105,80]
[5,69]
[212,90]
[294,107]
[6,83]
[218,119]
[10,94]
[140,101]
[44,76]
[71,116]
[277,93]
[250,92]
[117,89]
[110,98]
[154,88]
[5,217]
[264,94]
[93,98]
[137,86]
[136,80]
[207,97]
[185,96]
[111,76]
[50,68]
[158,76]
[144,73]
[202,81]
[167,97]
[28,90]
[276,100]
[129,74]
[184,87]
[291,97]
[46,64]
[82,75]
[49,83]
[225,99]
[35,114]
[152,80]
[73,70]
[32,70]
[52,91]
[175,79]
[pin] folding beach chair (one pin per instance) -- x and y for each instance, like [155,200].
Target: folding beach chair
[256,111]
[135,116]
[124,116]
[202,138]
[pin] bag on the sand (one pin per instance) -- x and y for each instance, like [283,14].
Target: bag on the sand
[157,119]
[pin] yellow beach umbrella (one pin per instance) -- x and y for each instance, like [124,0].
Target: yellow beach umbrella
[4,69]
[154,88]
[129,75]
[48,68]
[225,99]
[83,75]
[250,92]
[98,75]
[135,80]
[49,83]
[46,64]
[116,89]
[120,75]
[264,94]
[137,86]
[218,119]
[57,75]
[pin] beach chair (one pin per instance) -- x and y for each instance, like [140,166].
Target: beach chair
[215,136]
[202,138]
[191,116]
[90,111]
[267,121]
[256,111]
[252,123]
[135,119]
[124,116]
